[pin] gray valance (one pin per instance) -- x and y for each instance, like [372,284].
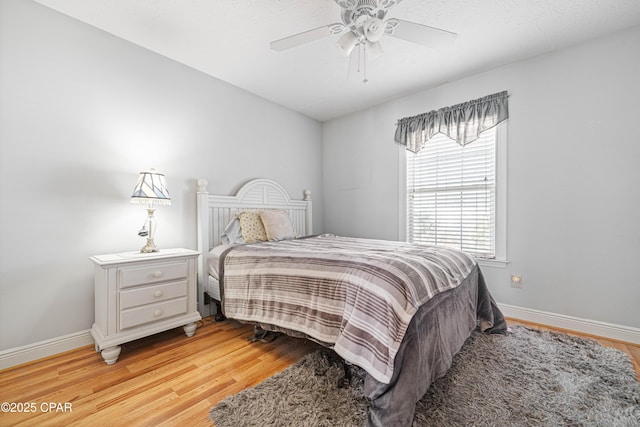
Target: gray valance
[462,123]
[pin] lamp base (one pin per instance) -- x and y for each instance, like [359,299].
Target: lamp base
[149,247]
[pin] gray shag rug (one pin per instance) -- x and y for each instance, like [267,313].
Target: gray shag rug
[524,378]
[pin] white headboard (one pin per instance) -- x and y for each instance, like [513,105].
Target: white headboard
[215,212]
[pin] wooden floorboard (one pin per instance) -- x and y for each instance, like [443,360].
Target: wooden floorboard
[166,379]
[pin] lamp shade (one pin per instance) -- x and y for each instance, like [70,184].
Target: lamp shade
[151,189]
[373,29]
[347,42]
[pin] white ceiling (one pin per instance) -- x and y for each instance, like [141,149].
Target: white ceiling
[229,39]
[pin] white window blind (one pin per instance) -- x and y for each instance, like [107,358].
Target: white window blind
[451,194]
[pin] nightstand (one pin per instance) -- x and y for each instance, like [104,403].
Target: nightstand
[137,295]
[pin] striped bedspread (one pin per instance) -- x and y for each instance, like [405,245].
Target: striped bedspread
[357,295]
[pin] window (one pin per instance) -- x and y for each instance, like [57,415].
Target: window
[455,194]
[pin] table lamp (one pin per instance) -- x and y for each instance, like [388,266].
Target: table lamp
[151,190]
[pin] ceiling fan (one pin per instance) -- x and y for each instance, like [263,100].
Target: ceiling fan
[363,24]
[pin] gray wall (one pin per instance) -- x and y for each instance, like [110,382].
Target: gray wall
[573,176]
[81,113]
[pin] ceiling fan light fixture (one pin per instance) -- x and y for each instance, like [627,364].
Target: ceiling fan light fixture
[347,42]
[373,29]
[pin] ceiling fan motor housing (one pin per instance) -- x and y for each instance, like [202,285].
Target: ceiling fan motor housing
[356,12]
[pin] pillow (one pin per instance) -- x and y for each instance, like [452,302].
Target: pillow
[252,228]
[232,233]
[277,225]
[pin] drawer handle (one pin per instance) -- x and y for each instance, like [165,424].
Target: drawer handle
[157,313]
[157,274]
[157,294]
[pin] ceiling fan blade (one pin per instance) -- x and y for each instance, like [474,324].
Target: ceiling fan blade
[305,37]
[420,34]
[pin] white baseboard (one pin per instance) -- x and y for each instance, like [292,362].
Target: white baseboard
[28,353]
[592,327]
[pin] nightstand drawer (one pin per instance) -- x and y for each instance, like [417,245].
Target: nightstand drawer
[152,273]
[152,294]
[152,312]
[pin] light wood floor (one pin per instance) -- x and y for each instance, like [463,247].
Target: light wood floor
[167,379]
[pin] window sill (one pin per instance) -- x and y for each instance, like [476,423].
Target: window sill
[498,263]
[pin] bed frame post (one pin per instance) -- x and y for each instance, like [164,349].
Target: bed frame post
[308,213]
[202,207]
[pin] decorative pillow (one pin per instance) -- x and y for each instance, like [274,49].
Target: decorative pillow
[277,225]
[232,233]
[252,228]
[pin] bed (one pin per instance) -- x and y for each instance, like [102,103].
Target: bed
[397,310]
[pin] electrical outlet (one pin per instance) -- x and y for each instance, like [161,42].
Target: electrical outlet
[516,281]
